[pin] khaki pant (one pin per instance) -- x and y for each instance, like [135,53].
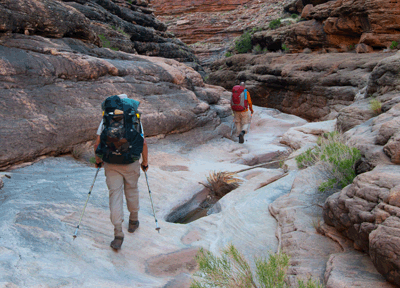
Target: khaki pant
[242,121]
[120,178]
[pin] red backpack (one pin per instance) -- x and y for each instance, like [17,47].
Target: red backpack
[239,98]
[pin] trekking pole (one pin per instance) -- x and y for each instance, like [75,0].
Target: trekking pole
[151,200]
[84,207]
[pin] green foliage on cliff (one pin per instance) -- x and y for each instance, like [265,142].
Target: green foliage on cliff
[243,44]
[394,45]
[334,157]
[233,270]
[275,23]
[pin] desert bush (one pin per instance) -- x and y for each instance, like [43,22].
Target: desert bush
[294,16]
[394,45]
[375,105]
[243,44]
[336,159]
[228,54]
[221,183]
[232,270]
[275,23]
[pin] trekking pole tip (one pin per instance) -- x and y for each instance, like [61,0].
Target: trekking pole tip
[158,229]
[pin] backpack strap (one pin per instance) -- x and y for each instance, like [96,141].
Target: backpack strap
[245,94]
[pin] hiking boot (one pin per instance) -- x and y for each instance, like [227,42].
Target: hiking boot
[117,242]
[241,136]
[133,225]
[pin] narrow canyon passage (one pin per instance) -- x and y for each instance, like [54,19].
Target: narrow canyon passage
[41,205]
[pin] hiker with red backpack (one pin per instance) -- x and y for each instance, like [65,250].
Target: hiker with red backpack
[119,144]
[240,104]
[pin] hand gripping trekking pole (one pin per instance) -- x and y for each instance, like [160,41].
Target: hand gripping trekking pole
[84,207]
[151,200]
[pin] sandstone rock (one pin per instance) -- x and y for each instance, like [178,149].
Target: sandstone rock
[367,212]
[100,22]
[316,249]
[354,114]
[392,148]
[385,76]
[41,100]
[313,86]
[43,18]
[306,11]
[340,25]
[298,137]
[363,48]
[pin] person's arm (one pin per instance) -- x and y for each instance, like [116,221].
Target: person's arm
[145,155]
[98,159]
[249,101]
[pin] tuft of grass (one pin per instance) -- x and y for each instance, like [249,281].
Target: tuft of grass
[375,105]
[336,159]
[228,54]
[221,183]
[275,24]
[394,45]
[294,16]
[232,270]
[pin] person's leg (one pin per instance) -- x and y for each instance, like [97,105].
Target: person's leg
[115,182]
[131,177]
[238,125]
[246,121]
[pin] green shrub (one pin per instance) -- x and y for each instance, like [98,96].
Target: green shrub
[285,48]
[243,44]
[336,158]
[228,54]
[394,45]
[351,47]
[375,105]
[294,16]
[265,50]
[233,270]
[104,41]
[275,23]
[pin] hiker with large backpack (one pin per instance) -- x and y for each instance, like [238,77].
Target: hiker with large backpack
[240,104]
[119,144]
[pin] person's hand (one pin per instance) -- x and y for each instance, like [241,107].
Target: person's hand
[99,164]
[145,166]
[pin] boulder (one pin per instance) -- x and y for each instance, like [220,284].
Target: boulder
[364,48]
[297,137]
[367,211]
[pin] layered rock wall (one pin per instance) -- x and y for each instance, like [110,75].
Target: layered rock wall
[342,25]
[54,75]
[312,86]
